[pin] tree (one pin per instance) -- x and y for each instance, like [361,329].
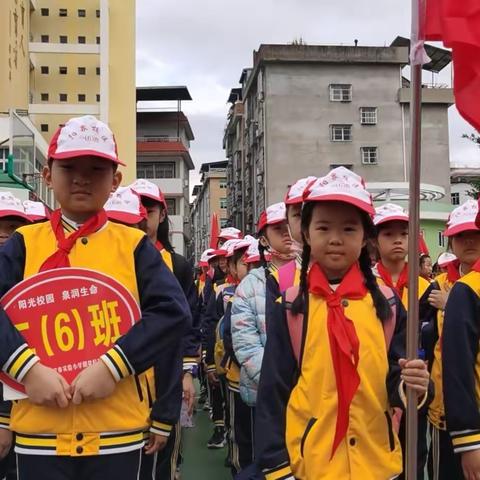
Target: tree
[299,41]
[475,184]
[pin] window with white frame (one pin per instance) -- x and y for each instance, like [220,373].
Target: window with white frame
[223,184]
[171,206]
[369,155]
[341,133]
[368,115]
[441,240]
[223,203]
[156,170]
[455,198]
[340,92]
[3,158]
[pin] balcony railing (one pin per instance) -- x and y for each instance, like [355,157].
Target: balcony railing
[158,138]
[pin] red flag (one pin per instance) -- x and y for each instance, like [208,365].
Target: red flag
[457,24]
[422,245]
[214,231]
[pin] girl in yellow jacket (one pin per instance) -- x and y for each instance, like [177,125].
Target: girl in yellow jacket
[327,414]
[464,240]
[391,224]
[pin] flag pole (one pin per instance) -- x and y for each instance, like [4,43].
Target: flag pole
[414,229]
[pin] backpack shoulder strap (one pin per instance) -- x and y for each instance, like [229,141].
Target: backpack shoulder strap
[286,275]
[389,325]
[294,322]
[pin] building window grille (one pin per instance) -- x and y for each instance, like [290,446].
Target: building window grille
[62,70]
[97,70]
[44,127]
[45,12]
[63,97]
[341,133]
[97,13]
[156,170]
[171,206]
[82,70]
[45,38]
[82,39]
[44,70]
[369,155]
[44,97]
[441,240]
[62,12]
[340,92]
[455,198]
[82,13]
[223,203]
[81,97]
[98,97]
[368,115]
[63,39]
[98,40]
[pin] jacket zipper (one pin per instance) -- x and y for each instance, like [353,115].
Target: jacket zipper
[309,426]
[139,388]
[391,438]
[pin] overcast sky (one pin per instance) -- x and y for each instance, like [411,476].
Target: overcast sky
[205,44]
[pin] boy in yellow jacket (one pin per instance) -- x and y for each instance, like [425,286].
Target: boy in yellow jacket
[93,428]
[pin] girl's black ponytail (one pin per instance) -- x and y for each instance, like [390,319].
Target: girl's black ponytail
[261,250]
[299,303]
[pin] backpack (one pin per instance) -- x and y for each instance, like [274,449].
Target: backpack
[295,322]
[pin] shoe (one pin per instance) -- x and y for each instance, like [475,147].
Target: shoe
[217,440]
[206,406]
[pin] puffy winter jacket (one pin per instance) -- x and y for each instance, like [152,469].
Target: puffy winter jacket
[249,331]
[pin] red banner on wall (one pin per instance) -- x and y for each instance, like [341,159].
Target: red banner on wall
[70,317]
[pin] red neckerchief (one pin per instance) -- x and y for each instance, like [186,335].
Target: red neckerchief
[211,272]
[65,244]
[159,245]
[344,343]
[230,280]
[453,271]
[202,277]
[402,281]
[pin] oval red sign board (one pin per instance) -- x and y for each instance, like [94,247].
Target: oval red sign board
[70,316]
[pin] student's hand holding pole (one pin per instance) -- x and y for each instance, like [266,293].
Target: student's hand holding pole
[155,443]
[94,382]
[471,465]
[5,442]
[415,375]
[44,386]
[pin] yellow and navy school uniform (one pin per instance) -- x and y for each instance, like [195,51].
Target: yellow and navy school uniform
[424,289]
[461,363]
[436,411]
[241,416]
[426,311]
[296,408]
[443,463]
[114,424]
[163,463]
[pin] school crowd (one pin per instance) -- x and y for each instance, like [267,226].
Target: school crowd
[297,336]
